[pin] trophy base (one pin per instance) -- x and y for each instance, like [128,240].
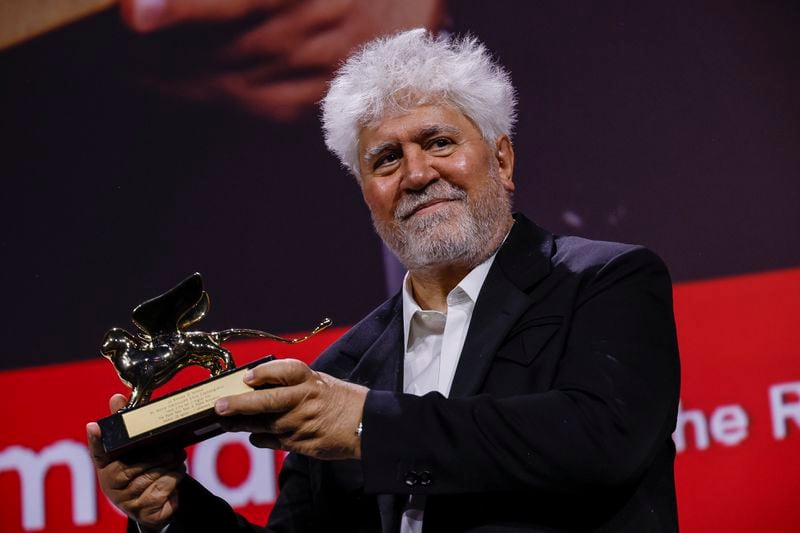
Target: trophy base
[178,419]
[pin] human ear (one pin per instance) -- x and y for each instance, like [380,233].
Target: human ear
[504,154]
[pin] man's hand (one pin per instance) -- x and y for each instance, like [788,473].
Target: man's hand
[308,412]
[271,57]
[145,488]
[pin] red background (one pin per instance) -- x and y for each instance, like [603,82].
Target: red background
[738,336]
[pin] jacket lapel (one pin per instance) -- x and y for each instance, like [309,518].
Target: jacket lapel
[381,365]
[522,261]
[375,349]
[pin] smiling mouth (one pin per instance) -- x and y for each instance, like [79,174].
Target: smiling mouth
[426,205]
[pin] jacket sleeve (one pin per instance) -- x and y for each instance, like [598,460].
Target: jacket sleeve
[611,407]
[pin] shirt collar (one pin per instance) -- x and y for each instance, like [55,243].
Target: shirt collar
[470,286]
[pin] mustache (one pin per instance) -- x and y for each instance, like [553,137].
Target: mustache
[436,191]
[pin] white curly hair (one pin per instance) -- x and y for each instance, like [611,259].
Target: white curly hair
[394,74]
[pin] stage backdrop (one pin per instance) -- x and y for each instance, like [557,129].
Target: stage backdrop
[134,154]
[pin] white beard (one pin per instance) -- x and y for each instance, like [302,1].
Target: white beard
[462,231]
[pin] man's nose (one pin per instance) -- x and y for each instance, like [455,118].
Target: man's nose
[418,170]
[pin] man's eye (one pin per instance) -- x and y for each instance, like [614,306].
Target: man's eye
[389,158]
[441,142]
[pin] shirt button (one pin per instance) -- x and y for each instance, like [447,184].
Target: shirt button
[412,478]
[425,478]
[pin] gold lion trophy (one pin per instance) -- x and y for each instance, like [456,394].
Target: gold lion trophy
[160,349]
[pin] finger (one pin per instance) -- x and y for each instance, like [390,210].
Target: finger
[278,372]
[280,34]
[277,400]
[117,402]
[133,467]
[317,55]
[158,500]
[122,475]
[96,449]
[323,51]
[142,483]
[157,517]
[149,15]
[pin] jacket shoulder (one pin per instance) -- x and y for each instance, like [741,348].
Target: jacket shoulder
[579,254]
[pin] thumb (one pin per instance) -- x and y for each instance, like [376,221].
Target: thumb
[149,15]
[95,446]
[117,402]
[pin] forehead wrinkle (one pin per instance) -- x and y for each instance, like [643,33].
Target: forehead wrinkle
[435,129]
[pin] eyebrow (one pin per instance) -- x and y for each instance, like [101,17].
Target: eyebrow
[374,151]
[423,133]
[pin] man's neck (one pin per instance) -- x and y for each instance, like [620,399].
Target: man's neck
[431,285]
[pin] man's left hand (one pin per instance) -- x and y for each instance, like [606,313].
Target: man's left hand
[304,411]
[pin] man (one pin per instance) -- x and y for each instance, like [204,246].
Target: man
[519,381]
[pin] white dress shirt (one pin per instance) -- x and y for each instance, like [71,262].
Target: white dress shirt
[433,343]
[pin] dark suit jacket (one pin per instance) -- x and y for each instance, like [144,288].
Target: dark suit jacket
[559,417]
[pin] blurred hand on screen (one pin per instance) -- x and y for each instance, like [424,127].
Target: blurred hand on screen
[144,488]
[271,57]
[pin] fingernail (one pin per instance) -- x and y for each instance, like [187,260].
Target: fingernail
[221,406]
[248,376]
[147,13]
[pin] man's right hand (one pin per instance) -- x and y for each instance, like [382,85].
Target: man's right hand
[144,487]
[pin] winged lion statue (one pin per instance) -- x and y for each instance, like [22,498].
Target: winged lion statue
[163,346]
